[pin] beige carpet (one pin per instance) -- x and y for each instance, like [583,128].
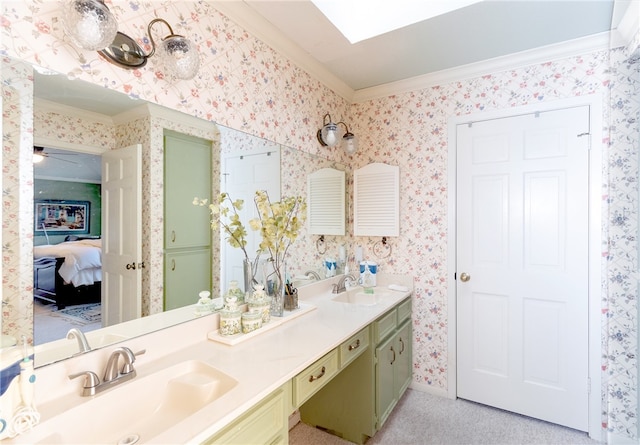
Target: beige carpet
[421,418]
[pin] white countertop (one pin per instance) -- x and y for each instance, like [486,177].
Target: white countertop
[260,365]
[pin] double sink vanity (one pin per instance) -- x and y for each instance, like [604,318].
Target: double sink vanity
[343,365]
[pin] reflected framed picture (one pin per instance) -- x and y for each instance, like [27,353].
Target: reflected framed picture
[60,216]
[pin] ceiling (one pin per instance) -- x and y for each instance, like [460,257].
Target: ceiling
[63,165]
[478,32]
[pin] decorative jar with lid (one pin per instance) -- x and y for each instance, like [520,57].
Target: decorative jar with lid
[260,302]
[230,317]
[235,291]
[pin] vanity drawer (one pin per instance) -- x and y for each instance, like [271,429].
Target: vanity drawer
[353,347]
[384,326]
[314,377]
[404,311]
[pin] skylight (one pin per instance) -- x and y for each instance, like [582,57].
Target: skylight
[359,20]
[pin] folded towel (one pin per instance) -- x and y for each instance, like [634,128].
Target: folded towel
[399,288]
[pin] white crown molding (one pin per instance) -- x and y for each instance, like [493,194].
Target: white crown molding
[629,24]
[538,55]
[54,107]
[49,142]
[140,112]
[254,23]
[161,112]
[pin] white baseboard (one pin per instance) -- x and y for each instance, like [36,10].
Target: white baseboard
[618,439]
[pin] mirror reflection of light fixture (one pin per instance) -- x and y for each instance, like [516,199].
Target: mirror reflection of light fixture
[37,155]
[331,135]
[176,54]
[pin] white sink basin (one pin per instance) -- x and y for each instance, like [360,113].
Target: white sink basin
[359,297]
[140,409]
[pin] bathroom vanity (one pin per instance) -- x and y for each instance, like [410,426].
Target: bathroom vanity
[304,364]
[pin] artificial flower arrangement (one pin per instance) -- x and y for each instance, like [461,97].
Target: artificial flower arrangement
[278,222]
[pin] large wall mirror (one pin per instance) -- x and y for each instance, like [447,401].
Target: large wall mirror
[72,150]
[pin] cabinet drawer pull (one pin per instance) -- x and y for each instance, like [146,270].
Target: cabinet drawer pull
[356,345]
[401,344]
[173,264]
[394,356]
[316,377]
[173,236]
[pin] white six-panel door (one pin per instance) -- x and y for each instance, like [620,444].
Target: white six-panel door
[522,243]
[122,235]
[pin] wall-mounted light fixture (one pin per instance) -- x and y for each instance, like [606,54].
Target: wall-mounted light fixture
[90,25]
[331,135]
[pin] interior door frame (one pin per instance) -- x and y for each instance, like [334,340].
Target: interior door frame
[595,102]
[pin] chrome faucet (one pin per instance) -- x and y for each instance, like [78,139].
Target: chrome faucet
[341,285]
[312,274]
[83,344]
[113,373]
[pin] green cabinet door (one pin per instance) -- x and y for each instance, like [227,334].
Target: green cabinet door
[186,273]
[404,364]
[386,393]
[187,174]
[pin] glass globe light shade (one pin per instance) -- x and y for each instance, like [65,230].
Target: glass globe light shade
[331,134]
[89,24]
[350,143]
[180,57]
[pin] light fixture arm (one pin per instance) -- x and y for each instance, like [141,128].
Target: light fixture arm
[153,42]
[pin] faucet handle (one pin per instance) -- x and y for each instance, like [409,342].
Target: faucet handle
[128,365]
[91,379]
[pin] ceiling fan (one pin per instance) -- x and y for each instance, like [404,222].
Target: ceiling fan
[39,155]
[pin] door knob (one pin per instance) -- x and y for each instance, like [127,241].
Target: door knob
[131,266]
[464,277]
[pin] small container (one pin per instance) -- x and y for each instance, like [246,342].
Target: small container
[235,291]
[260,302]
[251,321]
[230,322]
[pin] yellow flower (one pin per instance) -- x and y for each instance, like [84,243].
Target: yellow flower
[224,214]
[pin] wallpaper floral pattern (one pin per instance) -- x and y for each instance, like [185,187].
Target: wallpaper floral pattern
[17,196]
[246,85]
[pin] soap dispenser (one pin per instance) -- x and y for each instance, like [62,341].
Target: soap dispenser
[367,281]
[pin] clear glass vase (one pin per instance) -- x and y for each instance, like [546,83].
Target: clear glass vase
[250,270]
[275,273]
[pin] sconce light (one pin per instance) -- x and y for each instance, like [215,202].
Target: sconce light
[92,18]
[331,135]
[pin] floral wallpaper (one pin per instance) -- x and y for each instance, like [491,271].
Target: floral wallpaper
[17,198]
[244,84]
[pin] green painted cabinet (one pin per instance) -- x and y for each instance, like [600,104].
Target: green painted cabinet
[265,424]
[187,228]
[186,273]
[358,400]
[393,371]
